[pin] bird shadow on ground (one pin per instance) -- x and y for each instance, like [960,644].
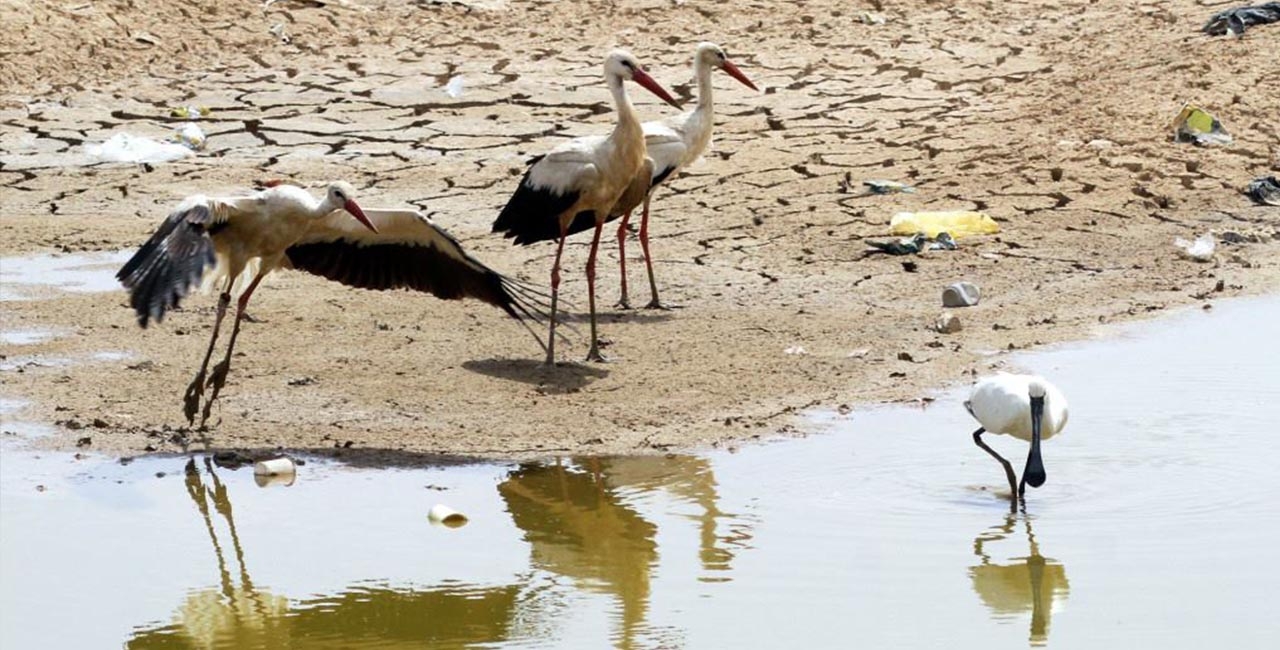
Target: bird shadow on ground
[619,316]
[564,377]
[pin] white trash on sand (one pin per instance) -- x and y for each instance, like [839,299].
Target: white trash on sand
[1200,250]
[123,147]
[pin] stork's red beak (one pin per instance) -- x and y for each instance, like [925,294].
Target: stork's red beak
[737,74]
[641,77]
[350,206]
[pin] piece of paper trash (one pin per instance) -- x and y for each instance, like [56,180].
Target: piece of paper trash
[1200,250]
[123,147]
[454,86]
[1194,124]
[957,223]
[796,349]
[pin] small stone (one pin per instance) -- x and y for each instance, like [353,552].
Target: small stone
[947,324]
[84,442]
[99,423]
[905,356]
[961,294]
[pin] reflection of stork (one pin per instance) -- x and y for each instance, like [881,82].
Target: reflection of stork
[1030,583]
[579,524]
[245,616]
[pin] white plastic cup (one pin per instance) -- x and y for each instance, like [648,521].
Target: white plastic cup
[274,467]
[443,515]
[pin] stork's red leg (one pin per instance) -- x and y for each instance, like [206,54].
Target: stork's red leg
[623,303]
[594,353]
[555,295]
[191,400]
[219,377]
[654,303]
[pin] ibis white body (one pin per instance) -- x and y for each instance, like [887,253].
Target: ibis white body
[1001,403]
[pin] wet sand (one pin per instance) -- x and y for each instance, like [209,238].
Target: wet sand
[1041,116]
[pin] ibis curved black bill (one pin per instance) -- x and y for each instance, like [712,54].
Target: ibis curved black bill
[1034,474]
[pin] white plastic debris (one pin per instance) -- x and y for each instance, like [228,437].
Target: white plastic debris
[796,349]
[123,147]
[190,136]
[274,467]
[1200,250]
[454,86]
[443,515]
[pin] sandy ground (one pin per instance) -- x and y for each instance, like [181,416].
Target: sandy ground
[994,106]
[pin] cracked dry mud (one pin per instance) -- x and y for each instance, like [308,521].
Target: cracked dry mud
[980,105]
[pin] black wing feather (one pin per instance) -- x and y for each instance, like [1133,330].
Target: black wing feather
[533,215]
[425,268]
[169,264]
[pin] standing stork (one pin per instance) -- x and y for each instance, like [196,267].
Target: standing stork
[286,227]
[671,144]
[573,187]
[1027,407]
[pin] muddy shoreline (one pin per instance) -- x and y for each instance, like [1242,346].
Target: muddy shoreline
[1049,123]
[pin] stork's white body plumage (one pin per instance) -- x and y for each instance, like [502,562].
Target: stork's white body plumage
[1023,406]
[285,226]
[573,187]
[1001,403]
[670,146]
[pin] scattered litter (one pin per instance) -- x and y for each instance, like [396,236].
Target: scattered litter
[914,244]
[274,467]
[123,147]
[145,37]
[1235,21]
[1194,124]
[1264,190]
[190,112]
[957,223]
[1099,143]
[796,349]
[961,294]
[906,246]
[454,86]
[190,136]
[872,18]
[278,30]
[947,324]
[859,353]
[1200,250]
[443,515]
[887,187]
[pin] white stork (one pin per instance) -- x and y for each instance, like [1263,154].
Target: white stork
[573,187]
[671,144]
[286,227]
[1027,407]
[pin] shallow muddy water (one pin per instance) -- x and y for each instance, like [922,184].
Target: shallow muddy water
[1157,527]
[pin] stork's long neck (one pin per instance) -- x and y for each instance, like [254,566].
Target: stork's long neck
[703,72]
[628,123]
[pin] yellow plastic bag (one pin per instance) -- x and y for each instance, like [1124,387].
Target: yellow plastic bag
[957,223]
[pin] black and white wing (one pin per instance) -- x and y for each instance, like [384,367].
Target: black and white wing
[407,252]
[552,184]
[173,260]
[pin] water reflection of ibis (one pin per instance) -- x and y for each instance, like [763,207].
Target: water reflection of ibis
[1032,582]
[246,616]
[579,523]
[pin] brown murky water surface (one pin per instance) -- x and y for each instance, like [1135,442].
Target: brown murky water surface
[1156,529]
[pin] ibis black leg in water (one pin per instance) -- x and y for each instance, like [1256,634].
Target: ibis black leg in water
[1008,468]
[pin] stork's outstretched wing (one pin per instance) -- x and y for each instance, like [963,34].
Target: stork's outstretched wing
[172,261]
[407,252]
